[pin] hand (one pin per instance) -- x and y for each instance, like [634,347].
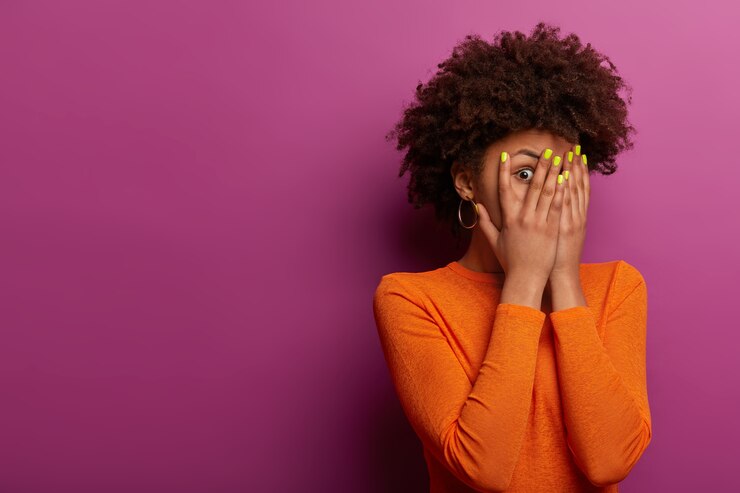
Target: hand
[528,238]
[572,232]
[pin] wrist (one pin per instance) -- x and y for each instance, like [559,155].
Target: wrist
[569,275]
[523,289]
[527,277]
[566,292]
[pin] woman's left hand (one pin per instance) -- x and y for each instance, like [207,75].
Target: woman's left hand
[573,217]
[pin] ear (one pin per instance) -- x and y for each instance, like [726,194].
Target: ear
[462,179]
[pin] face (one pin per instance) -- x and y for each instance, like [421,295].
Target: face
[524,148]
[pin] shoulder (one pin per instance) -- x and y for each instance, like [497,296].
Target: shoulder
[619,273]
[618,280]
[403,282]
[628,276]
[400,302]
[414,286]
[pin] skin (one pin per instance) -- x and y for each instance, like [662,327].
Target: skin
[544,223]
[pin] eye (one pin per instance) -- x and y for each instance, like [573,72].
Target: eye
[526,170]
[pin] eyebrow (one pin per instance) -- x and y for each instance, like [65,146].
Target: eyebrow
[528,152]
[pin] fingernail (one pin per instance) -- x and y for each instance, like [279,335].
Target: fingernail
[570,156]
[556,161]
[503,156]
[578,150]
[548,153]
[567,173]
[560,179]
[585,161]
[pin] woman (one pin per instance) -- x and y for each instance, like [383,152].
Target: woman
[519,367]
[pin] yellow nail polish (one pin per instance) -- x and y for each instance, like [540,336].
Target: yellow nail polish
[585,162]
[556,160]
[548,153]
[503,156]
[567,173]
[560,179]
[570,156]
[578,150]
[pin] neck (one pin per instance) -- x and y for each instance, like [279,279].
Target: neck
[479,255]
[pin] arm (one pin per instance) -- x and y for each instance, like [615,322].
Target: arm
[475,430]
[603,385]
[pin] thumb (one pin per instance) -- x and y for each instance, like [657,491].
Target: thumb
[486,225]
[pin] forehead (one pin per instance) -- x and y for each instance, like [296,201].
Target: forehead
[536,138]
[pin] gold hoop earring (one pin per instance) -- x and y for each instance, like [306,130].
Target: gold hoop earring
[459,214]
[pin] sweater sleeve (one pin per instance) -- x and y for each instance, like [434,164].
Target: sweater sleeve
[603,385]
[474,429]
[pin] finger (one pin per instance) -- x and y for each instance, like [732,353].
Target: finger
[586,183]
[486,225]
[556,207]
[537,183]
[569,166]
[506,205]
[576,176]
[548,190]
[570,199]
[583,181]
[570,203]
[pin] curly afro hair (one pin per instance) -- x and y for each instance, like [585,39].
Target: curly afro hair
[485,91]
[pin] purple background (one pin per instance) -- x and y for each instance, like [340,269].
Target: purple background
[197,204]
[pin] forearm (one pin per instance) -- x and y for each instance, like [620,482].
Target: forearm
[566,291]
[475,428]
[492,423]
[607,430]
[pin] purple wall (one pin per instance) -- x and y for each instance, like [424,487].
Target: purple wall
[197,204]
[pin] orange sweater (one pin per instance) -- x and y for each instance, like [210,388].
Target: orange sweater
[505,397]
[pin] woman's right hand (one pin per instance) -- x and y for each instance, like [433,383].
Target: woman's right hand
[527,242]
